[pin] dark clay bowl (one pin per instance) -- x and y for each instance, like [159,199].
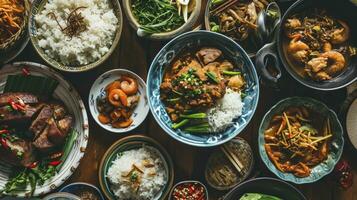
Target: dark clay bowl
[343,10]
[268,186]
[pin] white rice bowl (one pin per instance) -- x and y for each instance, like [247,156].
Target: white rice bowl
[150,186]
[228,108]
[90,45]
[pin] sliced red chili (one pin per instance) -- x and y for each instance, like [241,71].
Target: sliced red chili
[4,143]
[33,165]
[55,163]
[4,131]
[25,71]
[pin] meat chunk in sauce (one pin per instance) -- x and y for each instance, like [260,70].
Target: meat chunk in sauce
[208,55]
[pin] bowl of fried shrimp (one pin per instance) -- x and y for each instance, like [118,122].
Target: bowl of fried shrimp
[300,140]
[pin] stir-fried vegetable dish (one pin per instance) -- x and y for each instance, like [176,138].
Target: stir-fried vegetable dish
[319,44]
[297,140]
[195,82]
[11,18]
[157,16]
[237,19]
[118,103]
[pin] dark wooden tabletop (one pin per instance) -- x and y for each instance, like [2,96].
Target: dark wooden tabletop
[136,54]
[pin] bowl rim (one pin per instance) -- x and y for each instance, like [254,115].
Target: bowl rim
[82,184]
[91,109]
[140,138]
[265,178]
[245,56]
[9,68]
[61,194]
[57,64]
[188,181]
[273,169]
[163,35]
[283,59]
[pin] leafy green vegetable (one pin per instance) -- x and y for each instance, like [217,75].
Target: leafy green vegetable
[194,116]
[180,124]
[71,138]
[231,73]
[155,16]
[257,196]
[38,85]
[212,76]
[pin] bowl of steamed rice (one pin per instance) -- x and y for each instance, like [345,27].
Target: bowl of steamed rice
[137,168]
[202,88]
[75,35]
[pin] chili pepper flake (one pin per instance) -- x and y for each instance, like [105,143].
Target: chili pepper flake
[4,131]
[4,143]
[189,191]
[33,165]
[54,163]
[343,174]
[25,71]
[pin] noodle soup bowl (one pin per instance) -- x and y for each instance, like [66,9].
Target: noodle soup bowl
[231,51]
[336,142]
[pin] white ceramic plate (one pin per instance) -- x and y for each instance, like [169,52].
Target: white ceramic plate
[98,88]
[69,96]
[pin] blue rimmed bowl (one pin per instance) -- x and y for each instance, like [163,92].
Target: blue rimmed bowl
[98,90]
[336,145]
[231,50]
[76,188]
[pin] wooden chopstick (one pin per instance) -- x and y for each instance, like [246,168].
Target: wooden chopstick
[230,150]
[223,6]
[228,154]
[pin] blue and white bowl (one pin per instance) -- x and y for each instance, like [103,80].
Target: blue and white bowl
[335,148]
[231,50]
[98,89]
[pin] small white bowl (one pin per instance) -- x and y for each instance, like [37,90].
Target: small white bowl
[98,88]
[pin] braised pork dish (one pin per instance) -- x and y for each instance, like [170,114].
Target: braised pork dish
[318,44]
[33,131]
[202,90]
[297,140]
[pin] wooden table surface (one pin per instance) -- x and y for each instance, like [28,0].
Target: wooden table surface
[136,54]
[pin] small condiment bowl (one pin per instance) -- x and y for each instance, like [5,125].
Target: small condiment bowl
[98,89]
[38,6]
[217,156]
[61,195]
[74,187]
[187,182]
[187,26]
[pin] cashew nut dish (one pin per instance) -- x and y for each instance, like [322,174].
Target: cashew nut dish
[318,44]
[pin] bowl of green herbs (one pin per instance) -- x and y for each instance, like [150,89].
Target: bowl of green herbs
[162,19]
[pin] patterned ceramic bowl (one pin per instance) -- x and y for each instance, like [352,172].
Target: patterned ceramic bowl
[336,145]
[75,188]
[69,96]
[98,90]
[38,6]
[233,51]
[129,143]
